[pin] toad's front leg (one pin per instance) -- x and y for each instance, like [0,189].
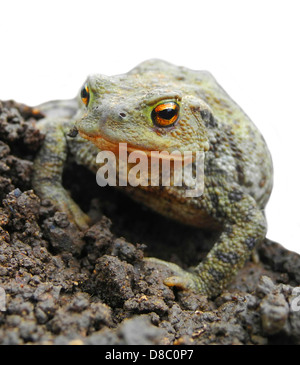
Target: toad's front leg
[244,226]
[48,170]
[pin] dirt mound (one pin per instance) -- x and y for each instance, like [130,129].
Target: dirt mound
[65,287]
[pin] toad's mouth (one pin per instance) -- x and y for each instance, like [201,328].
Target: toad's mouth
[122,147]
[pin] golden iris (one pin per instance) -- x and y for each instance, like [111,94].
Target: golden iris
[85,95]
[165,114]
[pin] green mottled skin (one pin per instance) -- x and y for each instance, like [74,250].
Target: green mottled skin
[238,166]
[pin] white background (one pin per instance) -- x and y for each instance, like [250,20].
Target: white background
[252,47]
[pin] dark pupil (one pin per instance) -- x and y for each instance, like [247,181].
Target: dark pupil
[167,113]
[84,93]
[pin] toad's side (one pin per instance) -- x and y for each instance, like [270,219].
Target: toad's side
[161,107]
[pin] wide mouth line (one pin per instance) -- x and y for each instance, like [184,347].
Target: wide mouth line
[129,148]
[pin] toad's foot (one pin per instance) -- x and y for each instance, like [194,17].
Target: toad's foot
[62,200]
[74,213]
[182,279]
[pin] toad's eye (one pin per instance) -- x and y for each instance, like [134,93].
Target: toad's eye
[85,95]
[166,114]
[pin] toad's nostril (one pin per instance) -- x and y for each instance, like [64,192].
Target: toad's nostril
[122,115]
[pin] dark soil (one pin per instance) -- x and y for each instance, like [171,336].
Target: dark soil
[67,287]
